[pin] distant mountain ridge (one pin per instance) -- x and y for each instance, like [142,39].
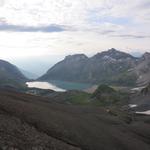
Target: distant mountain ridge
[28,74]
[112,67]
[10,75]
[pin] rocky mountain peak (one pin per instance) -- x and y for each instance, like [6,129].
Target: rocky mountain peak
[146,56]
[112,50]
[76,57]
[113,54]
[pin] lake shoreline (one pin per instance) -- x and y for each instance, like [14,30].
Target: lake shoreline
[59,86]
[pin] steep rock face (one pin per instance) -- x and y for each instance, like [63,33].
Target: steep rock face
[10,74]
[142,69]
[112,67]
[146,90]
[70,69]
[141,99]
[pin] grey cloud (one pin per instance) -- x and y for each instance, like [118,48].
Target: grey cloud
[145,5]
[19,28]
[107,31]
[101,31]
[132,36]
[2,2]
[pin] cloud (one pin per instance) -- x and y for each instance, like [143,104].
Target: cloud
[78,26]
[2,3]
[132,36]
[19,28]
[107,32]
[145,5]
[80,13]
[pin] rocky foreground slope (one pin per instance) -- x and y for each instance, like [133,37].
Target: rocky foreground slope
[34,123]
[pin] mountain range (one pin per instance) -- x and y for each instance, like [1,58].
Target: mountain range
[111,67]
[108,67]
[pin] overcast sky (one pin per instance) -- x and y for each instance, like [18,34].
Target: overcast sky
[60,27]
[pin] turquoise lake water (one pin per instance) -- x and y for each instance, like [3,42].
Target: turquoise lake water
[70,85]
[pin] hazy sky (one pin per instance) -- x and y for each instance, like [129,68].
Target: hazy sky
[61,27]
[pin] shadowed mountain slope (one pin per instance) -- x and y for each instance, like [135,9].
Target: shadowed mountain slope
[10,74]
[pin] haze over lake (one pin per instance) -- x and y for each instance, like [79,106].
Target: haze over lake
[44,85]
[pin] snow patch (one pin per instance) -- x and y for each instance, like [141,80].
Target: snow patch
[132,105]
[44,85]
[144,112]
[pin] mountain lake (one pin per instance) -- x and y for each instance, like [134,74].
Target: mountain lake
[59,86]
